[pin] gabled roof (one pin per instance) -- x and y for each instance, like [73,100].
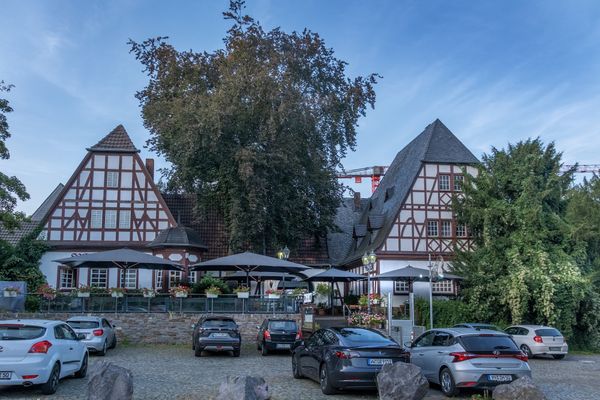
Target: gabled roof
[42,212]
[436,144]
[116,141]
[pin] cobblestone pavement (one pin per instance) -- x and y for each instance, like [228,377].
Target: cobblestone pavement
[172,372]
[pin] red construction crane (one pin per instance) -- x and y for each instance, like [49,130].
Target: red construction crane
[376,172]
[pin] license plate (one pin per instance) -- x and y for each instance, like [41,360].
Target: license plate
[220,335]
[5,375]
[554,348]
[500,378]
[283,346]
[379,361]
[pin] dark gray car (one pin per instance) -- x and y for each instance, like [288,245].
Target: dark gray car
[340,358]
[216,333]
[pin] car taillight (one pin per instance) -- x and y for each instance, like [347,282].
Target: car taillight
[299,335]
[29,376]
[98,332]
[346,355]
[267,335]
[462,356]
[41,347]
[522,357]
[538,339]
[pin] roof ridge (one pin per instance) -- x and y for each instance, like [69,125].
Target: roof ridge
[117,140]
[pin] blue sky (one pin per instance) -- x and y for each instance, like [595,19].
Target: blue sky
[493,71]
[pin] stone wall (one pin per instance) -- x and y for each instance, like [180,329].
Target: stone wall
[159,328]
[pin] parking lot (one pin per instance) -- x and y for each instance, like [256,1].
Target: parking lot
[172,372]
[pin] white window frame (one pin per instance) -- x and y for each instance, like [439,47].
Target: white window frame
[173,276]
[461,230]
[129,278]
[99,277]
[458,183]
[401,287]
[112,179]
[444,286]
[96,219]
[430,224]
[124,219]
[444,182]
[158,274]
[446,228]
[110,219]
[66,274]
[192,277]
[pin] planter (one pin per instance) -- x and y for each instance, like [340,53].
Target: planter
[10,293]
[375,302]
[83,294]
[116,294]
[243,295]
[181,294]
[321,311]
[274,296]
[211,295]
[149,294]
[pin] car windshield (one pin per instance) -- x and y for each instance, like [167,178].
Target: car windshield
[547,332]
[83,324]
[20,332]
[487,344]
[282,325]
[219,323]
[360,335]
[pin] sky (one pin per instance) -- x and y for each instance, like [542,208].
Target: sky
[495,72]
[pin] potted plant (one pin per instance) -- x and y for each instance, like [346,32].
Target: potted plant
[299,292]
[213,292]
[321,308]
[11,291]
[243,292]
[83,291]
[274,293]
[47,292]
[179,291]
[375,299]
[117,292]
[148,292]
[363,301]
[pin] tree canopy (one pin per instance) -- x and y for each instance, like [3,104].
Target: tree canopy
[11,187]
[257,128]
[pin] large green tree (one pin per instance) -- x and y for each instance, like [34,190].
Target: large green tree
[257,128]
[523,267]
[11,187]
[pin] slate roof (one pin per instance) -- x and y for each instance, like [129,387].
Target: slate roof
[178,236]
[436,144]
[116,141]
[340,240]
[42,212]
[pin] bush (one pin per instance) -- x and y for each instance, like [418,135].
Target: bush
[446,313]
[209,281]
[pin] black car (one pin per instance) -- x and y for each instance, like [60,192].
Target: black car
[347,357]
[277,334]
[216,333]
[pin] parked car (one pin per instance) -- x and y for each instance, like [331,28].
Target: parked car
[216,333]
[458,358]
[40,352]
[346,357]
[536,340]
[99,334]
[478,326]
[277,334]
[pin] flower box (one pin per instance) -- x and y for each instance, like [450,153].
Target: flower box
[243,295]
[181,294]
[212,295]
[150,294]
[117,294]
[83,294]
[274,296]
[11,293]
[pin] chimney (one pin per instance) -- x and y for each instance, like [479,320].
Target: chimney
[356,201]
[150,167]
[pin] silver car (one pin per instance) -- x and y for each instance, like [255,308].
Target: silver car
[458,358]
[99,333]
[536,340]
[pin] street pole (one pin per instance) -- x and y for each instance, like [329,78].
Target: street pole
[369,289]
[430,295]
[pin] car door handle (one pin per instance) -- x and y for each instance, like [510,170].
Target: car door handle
[421,354]
[70,348]
[441,352]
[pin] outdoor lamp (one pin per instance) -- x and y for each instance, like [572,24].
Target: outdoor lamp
[372,257]
[365,259]
[280,255]
[286,253]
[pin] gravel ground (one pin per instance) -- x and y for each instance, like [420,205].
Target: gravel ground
[172,372]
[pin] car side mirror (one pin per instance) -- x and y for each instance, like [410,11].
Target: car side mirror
[193,326]
[257,326]
[80,336]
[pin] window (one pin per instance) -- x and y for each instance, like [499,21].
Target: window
[458,183]
[444,286]
[400,287]
[158,279]
[66,278]
[425,340]
[124,219]
[99,277]
[192,277]
[446,228]
[443,339]
[129,279]
[110,221]
[96,221]
[444,182]
[432,228]
[461,230]
[174,278]
[112,179]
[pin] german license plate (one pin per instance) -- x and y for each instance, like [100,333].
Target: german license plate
[220,334]
[554,348]
[283,346]
[500,378]
[379,361]
[5,375]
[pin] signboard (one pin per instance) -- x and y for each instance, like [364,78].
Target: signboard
[10,300]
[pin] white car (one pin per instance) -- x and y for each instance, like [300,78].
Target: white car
[40,352]
[536,340]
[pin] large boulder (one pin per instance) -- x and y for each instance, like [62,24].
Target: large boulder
[107,381]
[401,381]
[521,389]
[244,388]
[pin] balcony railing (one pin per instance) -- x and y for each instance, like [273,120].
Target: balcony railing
[162,303]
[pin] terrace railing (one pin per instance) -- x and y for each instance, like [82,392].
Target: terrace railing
[162,303]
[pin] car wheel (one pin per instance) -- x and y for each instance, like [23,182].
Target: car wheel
[326,386]
[83,370]
[198,351]
[52,384]
[525,349]
[263,350]
[447,383]
[558,356]
[236,353]
[296,369]
[114,342]
[103,351]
